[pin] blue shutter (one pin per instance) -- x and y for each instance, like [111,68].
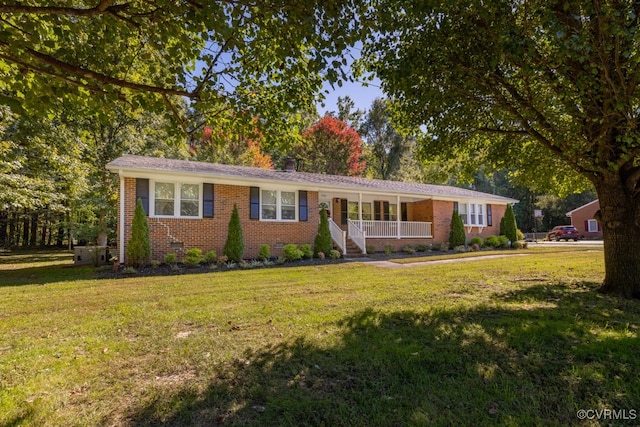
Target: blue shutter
[303,208]
[254,203]
[207,200]
[142,193]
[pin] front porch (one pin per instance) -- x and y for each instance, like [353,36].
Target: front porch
[361,216]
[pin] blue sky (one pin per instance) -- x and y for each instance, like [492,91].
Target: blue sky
[362,96]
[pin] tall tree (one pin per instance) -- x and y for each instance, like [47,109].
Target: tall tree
[386,146]
[550,88]
[332,147]
[265,58]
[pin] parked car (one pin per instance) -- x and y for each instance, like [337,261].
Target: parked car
[563,232]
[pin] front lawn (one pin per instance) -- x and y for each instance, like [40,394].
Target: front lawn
[510,341]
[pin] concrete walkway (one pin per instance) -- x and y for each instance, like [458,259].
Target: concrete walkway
[390,264]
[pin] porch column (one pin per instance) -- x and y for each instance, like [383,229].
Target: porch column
[398,216]
[360,209]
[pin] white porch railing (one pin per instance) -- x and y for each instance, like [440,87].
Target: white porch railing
[389,229]
[338,235]
[358,236]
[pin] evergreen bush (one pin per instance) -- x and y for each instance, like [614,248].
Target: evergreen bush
[323,242]
[508,225]
[306,251]
[139,247]
[234,246]
[457,236]
[193,257]
[265,252]
[291,252]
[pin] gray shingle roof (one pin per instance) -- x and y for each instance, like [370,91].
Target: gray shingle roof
[153,164]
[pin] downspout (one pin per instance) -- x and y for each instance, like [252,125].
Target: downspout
[121,219]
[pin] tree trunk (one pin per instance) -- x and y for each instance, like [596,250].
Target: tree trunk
[25,228]
[620,220]
[102,233]
[34,228]
[4,221]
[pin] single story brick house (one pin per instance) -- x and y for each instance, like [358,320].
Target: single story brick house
[189,205]
[584,220]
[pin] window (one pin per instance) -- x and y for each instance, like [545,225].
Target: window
[367,211]
[473,214]
[278,205]
[462,210]
[393,212]
[176,199]
[288,205]
[189,199]
[269,204]
[367,214]
[592,226]
[165,198]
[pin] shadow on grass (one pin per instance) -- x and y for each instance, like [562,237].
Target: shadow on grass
[534,358]
[40,267]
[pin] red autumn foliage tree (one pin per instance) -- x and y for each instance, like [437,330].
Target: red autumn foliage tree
[221,147]
[332,147]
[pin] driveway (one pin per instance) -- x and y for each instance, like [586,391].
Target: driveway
[579,243]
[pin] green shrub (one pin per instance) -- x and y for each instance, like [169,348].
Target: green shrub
[476,241]
[440,246]
[520,234]
[409,249]
[520,244]
[423,247]
[155,263]
[334,254]
[306,251]
[460,249]
[371,249]
[210,257]
[129,270]
[139,247]
[457,235]
[193,257]
[234,246]
[508,225]
[265,252]
[291,252]
[171,258]
[504,241]
[388,248]
[323,241]
[492,241]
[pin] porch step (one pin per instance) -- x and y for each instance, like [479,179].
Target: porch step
[353,251]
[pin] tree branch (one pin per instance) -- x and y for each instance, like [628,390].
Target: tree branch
[93,75]
[104,6]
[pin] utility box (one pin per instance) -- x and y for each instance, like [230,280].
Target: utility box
[90,255]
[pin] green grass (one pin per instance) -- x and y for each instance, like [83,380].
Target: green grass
[493,342]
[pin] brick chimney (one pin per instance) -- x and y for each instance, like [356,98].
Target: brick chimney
[289,165]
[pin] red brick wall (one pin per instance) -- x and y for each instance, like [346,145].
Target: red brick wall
[211,233]
[579,218]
